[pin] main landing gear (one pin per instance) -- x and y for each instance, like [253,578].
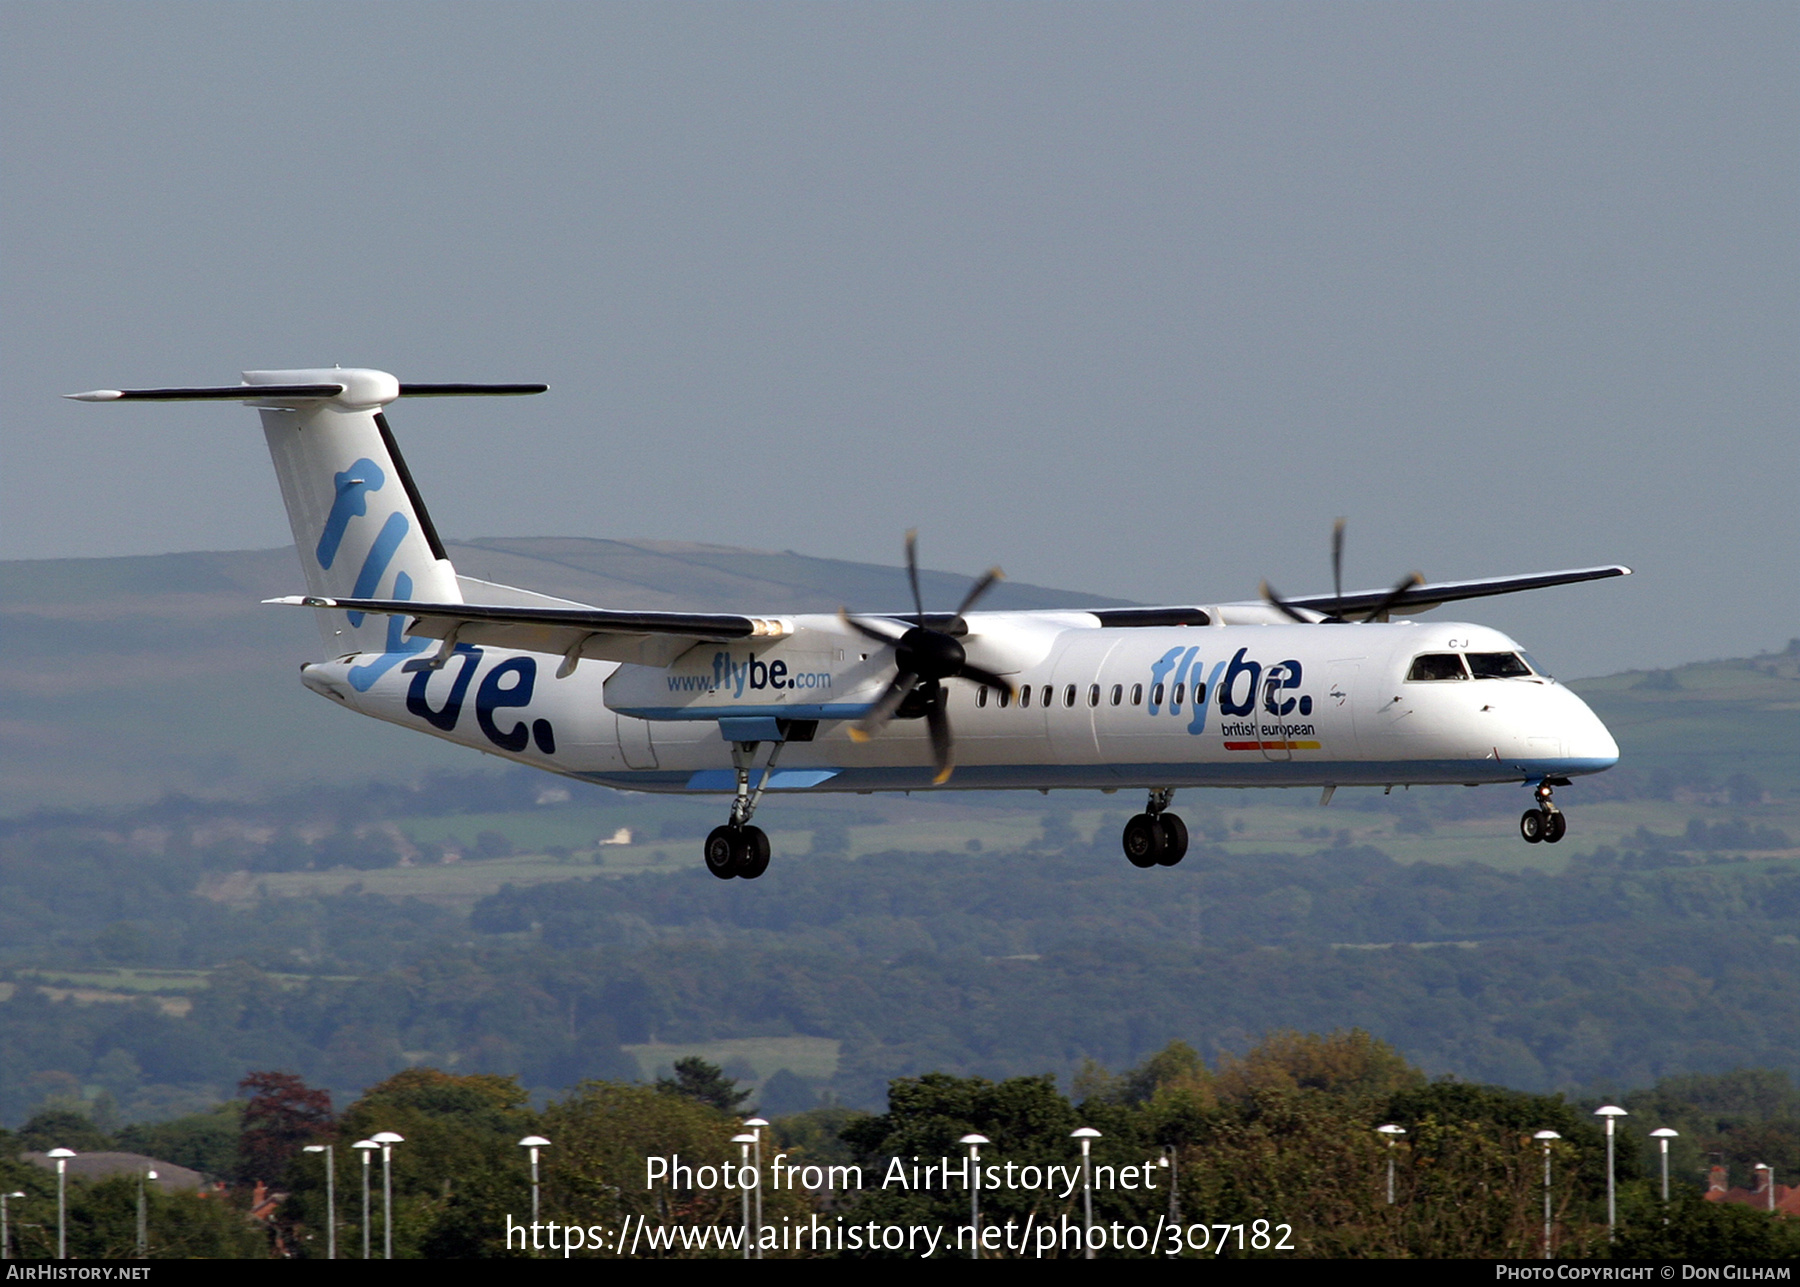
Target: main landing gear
[1544,824]
[1156,837]
[738,849]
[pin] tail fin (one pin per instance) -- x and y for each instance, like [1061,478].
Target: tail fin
[360,527]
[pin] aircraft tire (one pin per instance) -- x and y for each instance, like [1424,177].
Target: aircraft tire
[1144,841]
[1555,828]
[1531,826]
[1175,839]
[755,859]
[724,851]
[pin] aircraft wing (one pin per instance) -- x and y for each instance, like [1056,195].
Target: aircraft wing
[1423,598]
[643,638]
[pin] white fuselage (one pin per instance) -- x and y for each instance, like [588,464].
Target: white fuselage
[1281,705]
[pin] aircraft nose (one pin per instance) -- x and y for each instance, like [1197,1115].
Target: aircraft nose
[1585,738]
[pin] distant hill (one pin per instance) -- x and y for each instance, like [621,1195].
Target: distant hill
[127,678]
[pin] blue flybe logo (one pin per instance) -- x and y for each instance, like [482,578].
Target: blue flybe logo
[733,677]
[1237,685]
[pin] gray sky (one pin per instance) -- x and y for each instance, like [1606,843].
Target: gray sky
[1127,298]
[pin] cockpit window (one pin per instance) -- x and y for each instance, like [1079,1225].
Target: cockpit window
[1438,665]
[1498,665]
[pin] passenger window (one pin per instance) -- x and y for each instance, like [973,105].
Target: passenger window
[1156,695]
[1005,698]
[1093,694]
[1069,695]
[1025,696]
[1199,694]
[1137,694]
[1437,665]
[981,695]
[1118,694]
[1045,696]
[1180,692]
[1497,665]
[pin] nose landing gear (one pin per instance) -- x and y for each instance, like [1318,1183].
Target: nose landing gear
[1544,824]
[1156,837]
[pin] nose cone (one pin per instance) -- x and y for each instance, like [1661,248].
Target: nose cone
[1586,740]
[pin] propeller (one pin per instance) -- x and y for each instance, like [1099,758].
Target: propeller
[1333,611]
[923,659]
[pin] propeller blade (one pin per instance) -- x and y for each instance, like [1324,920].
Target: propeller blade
[1337,559]
[1287,609]
[866,630]
[980,588]
[882,712]
[976,675]
[1379,611]
[943,746]
[912,574]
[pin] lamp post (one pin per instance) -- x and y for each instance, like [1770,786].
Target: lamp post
[367,1149]
[387,1140]
[143,1215]
[5,1246]
[1171,1160]
[534,1143]
[756,1125]
[1611,1112]
[330,1198]
[1662,1135]
[1768,1178]
[744,1141]
[62,1156]
[1393,1134]
[1546,1138]
[974,1142]
[1087,1135]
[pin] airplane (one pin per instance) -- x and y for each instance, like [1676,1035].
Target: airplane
[1322,691]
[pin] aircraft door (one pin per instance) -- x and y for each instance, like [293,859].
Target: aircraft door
[635,744]
[1077,670]
[1274,737]
[1337,718]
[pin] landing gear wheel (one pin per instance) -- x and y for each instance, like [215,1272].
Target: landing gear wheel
[1555,828]
[755,858]
[1531,826]
[1175,839]
[1145,840]
[724,851]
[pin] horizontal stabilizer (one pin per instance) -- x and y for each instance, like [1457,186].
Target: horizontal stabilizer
[261,392]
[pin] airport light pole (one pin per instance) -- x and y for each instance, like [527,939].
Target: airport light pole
[62,1156]
[387,1140]
[5,1246]
[534,1143]
[1087,1135]
[330,1198]
[1393,1134]
[756,1125]
[1547,1138]
[367,1149]
[1662,1135]
[1611,1112]
[974,1142]
[744,1140]
[143,1215]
